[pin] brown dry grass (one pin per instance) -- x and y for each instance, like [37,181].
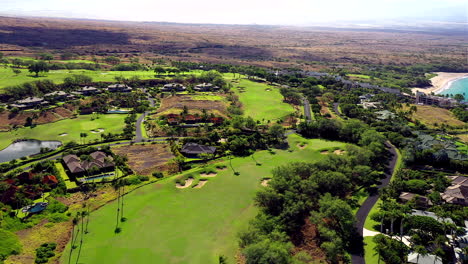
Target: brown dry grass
[430,115]
[175,104]
[463,137]
[145,159]
[8,120]
[306,240]
[32,238]
[278,46]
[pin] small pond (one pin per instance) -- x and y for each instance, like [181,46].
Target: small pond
[26,148]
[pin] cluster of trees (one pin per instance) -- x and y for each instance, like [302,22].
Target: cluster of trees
[460,113]
[129,129]
[314,191]
[353,131]
[129,67]
[44,252]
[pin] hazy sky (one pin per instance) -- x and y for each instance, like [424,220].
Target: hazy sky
[290,12]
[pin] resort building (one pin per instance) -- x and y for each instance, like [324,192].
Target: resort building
[97,160]
[29,102]
[425,99]
[205,87]
[173,86]
[119,88]
[87,90]
[194,149]
[457,193]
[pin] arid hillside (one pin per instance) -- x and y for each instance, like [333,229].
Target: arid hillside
[261,45]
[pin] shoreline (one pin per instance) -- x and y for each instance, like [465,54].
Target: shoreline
[441,82]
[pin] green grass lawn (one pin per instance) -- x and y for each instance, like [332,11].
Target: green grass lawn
[8,78]
[362,76]
[9,243]
[63,174]
[369,252]
[113,123]
[261,101]
[170,225]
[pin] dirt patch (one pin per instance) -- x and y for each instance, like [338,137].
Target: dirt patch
[200,184]
[339,152]
[209,175]
[177,103]
[325,152]
[265,182]
[145,159]
[188,182]
[307,240]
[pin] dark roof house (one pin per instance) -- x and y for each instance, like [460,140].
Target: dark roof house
[121,88]
[173,86]
[205,87]
[194,149]
[98,160]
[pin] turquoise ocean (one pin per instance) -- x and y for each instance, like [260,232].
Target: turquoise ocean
[459,86]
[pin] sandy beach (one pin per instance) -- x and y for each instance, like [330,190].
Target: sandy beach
[441,82]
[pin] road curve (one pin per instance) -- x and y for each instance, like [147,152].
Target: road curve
[337,111]
[138,131]
[357,257]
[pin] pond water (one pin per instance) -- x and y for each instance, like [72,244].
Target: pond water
[26,148]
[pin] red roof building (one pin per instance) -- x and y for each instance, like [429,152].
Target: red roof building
[50,180]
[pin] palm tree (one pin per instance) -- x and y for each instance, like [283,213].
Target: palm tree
[405,210]
[82,234]
[122,218]
[117,188]
[74,222]
[421,251]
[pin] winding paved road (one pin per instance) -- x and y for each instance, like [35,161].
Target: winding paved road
[337,111]
[138,131]
[307,110]
[361,215]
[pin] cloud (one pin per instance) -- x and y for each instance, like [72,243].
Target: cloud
[240,11]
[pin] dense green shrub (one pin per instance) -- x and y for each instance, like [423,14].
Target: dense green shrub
[44,252]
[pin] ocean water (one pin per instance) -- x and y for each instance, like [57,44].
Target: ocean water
[458,87]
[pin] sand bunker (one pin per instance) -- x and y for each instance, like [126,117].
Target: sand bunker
[211,174]
[63,134]
[325,152]
[339,152]
[99,130]
[265,182]
[302,147]
[188,182]
[200,184]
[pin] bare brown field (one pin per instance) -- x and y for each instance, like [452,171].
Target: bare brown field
[463,137]
[175,104]
[430,116]
[9,120]
[270,46]
[145,159]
